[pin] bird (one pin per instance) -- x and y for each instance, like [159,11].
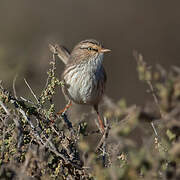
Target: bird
[84,77]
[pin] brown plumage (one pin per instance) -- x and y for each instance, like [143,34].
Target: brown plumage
[84,75]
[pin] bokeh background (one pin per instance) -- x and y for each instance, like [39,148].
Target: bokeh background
[27,27]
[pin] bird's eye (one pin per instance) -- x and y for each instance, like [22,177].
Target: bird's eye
[90,48]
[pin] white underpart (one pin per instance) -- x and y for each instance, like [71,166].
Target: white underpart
[81,88]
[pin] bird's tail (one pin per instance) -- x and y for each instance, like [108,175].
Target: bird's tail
[60,51]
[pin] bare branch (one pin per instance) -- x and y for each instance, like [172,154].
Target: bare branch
[4,107]
[14,87]
[31,90]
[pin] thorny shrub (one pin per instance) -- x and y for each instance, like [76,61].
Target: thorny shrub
[139,143]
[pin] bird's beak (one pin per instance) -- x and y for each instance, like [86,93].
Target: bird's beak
[102,50]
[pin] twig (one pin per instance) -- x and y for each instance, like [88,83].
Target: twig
[152,124]
[4,107]
[20,132]
[31,90]
[2,146]
[27,100]
[37,136]
[154,96]
[104,137]
[140,61]
[97,124]
[31,124]
[157,103]
[14,87]
[53,149]
[102,144]
[51,146]
[53,62]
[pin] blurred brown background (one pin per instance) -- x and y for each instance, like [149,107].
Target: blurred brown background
[27,27]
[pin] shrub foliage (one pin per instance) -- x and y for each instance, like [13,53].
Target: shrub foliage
[139,142]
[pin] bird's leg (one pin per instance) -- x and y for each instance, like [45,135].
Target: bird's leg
[68,105]
[101,124]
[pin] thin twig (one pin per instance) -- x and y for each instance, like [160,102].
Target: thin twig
[27,100]
[31,90]
[4,107]
[53,62]
[154,96]
[14,87]
[157,104]
[152,124]
[139,59]
[20,132]
[104,137]
[102,144]
[37,136]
